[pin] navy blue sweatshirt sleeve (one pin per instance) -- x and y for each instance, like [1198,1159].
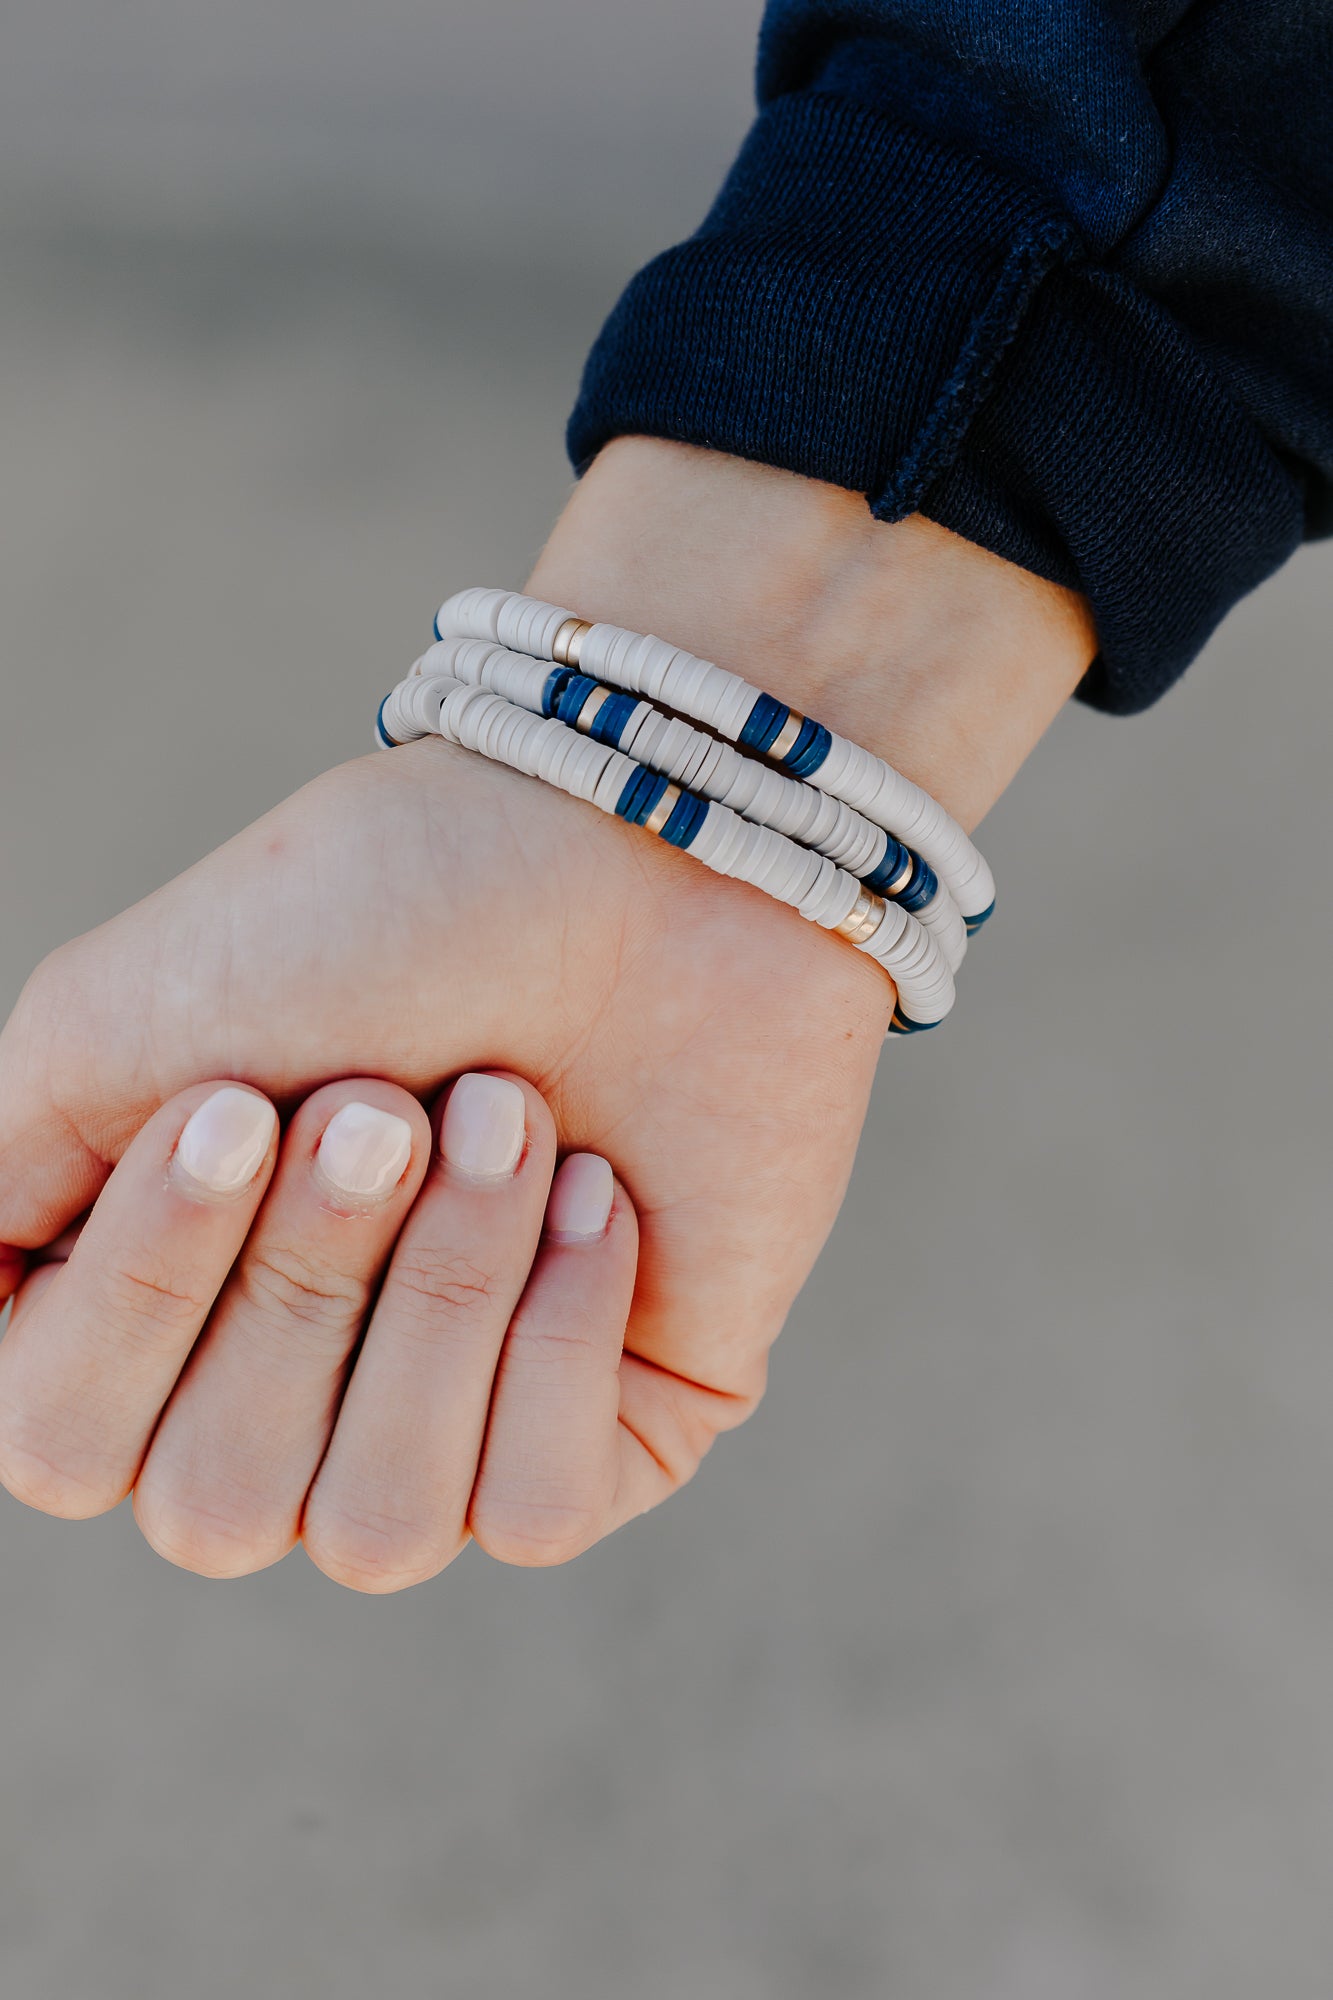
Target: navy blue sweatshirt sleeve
[1055,273]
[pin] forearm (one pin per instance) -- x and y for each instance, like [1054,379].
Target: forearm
[947,660]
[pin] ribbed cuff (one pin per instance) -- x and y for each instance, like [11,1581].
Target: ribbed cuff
[872,308]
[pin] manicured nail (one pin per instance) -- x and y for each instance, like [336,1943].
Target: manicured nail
[364,1152]
[223,1146]
[484,1123]
[579,1205]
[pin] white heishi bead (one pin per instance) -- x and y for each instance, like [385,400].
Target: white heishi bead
[610,785]
[710,766]
[722,701]
[943,919]
[471,614]
[643,726]
[414,707]
[517,677]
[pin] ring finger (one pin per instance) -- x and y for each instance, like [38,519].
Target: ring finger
[389,1505]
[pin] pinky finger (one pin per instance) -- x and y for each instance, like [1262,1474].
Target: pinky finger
[550,1468]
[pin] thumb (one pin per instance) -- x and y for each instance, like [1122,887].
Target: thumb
[13,1265]
[48,1173]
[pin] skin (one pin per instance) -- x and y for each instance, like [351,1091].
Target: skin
[419,914]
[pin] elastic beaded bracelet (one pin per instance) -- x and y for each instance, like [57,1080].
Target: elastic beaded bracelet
[716,770]
[733,708]
[546,747]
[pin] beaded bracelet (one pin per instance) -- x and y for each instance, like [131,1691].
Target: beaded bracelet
[822,826]
[549,749]
[743,714]
[716,770]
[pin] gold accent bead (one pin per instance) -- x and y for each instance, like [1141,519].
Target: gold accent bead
[663,810]
[567,644]
[896,888]
[863,919]
[785,740]
[590,710]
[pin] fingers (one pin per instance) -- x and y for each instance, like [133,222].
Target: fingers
[487,1396]
[94,1346]
[551,1471]
[389,1505]
[230,1464]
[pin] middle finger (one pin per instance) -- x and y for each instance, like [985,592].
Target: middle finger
[228,1469]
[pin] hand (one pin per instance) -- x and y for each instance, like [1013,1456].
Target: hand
[196,1339]
[422,913]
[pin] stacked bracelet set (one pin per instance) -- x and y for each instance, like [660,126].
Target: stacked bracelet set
[710,764]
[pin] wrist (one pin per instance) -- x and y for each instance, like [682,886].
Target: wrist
[943,658]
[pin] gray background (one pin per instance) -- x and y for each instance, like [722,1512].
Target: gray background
[993,1660]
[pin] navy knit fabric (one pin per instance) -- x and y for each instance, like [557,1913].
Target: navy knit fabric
[1056,273]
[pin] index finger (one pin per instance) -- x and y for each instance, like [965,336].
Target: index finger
[87,1364]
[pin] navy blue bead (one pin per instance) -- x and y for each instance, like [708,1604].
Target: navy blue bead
[555,685]
[765,721]
[902,1025]
[642,791]
[687,816]
[612,718]
[627,805]
[974,923]
[809,750]
[896,858]
[569,703]
[921,889]
[388,742]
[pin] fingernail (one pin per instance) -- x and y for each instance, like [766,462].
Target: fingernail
[364,1152]
[223,1146]
[484,1123]
[579,1205]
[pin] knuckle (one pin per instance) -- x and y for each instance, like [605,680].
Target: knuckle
[50,1012]
[43,988]
[747,1393]
[541,1339]
[369,1551]
[434,1286]
[200,1529]
[280,1283]
[151,1303]
[534,1533]
[698,1426]
[35,1470]
[687,1429]
[699,1417]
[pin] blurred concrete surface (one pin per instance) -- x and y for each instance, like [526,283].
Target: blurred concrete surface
[992,1661]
